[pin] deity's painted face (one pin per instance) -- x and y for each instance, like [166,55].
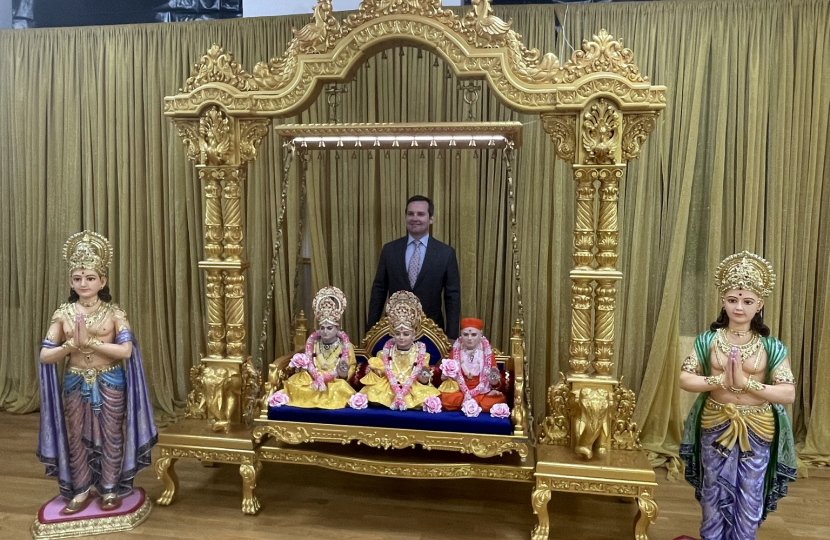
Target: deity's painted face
[471,338]
[741,305]
[418,219]
[328,332]
[404,338]
[87,283]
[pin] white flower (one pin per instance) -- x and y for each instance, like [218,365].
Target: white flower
[500,410]
[470,408]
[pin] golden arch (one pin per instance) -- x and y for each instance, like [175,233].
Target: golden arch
[478,45]
[597,108]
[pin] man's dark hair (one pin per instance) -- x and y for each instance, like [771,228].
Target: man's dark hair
[418,198]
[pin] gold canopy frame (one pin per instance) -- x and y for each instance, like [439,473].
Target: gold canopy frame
[597,109]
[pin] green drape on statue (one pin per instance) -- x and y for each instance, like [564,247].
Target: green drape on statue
[738,161]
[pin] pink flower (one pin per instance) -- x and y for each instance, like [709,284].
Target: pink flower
[432,404]
[500,410]
[470,408]
[358,401]
[449,368]
[278,399]
[299,361]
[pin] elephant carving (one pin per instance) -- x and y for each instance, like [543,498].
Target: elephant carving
[222,391]
[590,408]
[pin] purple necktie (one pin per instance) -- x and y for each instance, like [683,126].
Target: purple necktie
[414,263]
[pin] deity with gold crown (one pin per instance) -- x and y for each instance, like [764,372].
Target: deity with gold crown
[400,376]
[738,442]
[97,431]
[321,380]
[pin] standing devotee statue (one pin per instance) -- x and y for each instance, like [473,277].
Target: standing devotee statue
[97,432]
[471,376]
[328,360]
[400,376]
[737,442]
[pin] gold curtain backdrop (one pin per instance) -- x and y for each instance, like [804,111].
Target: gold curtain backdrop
[737,161]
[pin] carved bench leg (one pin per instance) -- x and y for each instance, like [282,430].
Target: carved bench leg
[167,474]
[539,499]
[249,473]
[646,516]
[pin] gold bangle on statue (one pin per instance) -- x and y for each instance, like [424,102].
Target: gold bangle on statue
[752,384]
[714,380]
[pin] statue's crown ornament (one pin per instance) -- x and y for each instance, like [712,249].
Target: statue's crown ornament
[87,250]
[329,304]
[404,311]
[746,271]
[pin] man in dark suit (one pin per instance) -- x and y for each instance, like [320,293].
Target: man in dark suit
[420,264]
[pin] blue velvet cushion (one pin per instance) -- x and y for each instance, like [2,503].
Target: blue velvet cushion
[453,421]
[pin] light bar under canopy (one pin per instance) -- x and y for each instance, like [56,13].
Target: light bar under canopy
[404,135]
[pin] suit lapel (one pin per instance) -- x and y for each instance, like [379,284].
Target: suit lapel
[400,259]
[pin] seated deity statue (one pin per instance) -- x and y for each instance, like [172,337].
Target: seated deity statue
[400,377]
[96,433]
[738,442]
[328,361]
[471,376]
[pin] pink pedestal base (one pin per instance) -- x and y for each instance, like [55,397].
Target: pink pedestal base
[50,523]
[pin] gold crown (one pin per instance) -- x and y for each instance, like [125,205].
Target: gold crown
[404,310]
[746,271]
[89,251]
[328,305]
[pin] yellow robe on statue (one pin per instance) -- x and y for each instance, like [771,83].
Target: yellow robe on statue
[337,392]
[377,387]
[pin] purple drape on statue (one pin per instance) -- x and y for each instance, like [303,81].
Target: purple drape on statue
[732,497]
[52,445]
[140,434]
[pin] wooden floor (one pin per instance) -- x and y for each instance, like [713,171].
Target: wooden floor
[312,503]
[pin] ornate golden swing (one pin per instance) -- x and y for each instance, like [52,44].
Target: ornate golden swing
[598,111]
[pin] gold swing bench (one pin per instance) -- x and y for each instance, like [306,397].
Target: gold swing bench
[492,447]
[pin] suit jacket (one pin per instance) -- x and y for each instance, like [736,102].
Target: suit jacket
[438,278]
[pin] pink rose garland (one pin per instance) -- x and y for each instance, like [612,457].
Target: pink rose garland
[306,361]
[401,390]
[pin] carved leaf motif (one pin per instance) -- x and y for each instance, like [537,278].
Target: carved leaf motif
[196,398]
[602,53]
[626,433]
[218,66]
[635,130]
[600,132]
[189,132]
[556,426]
[562,131]
[251,133]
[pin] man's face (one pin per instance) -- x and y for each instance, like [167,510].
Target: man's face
[418,219]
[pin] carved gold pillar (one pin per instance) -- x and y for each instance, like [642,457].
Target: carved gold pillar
[222,145]
[583,406]
[606,257]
